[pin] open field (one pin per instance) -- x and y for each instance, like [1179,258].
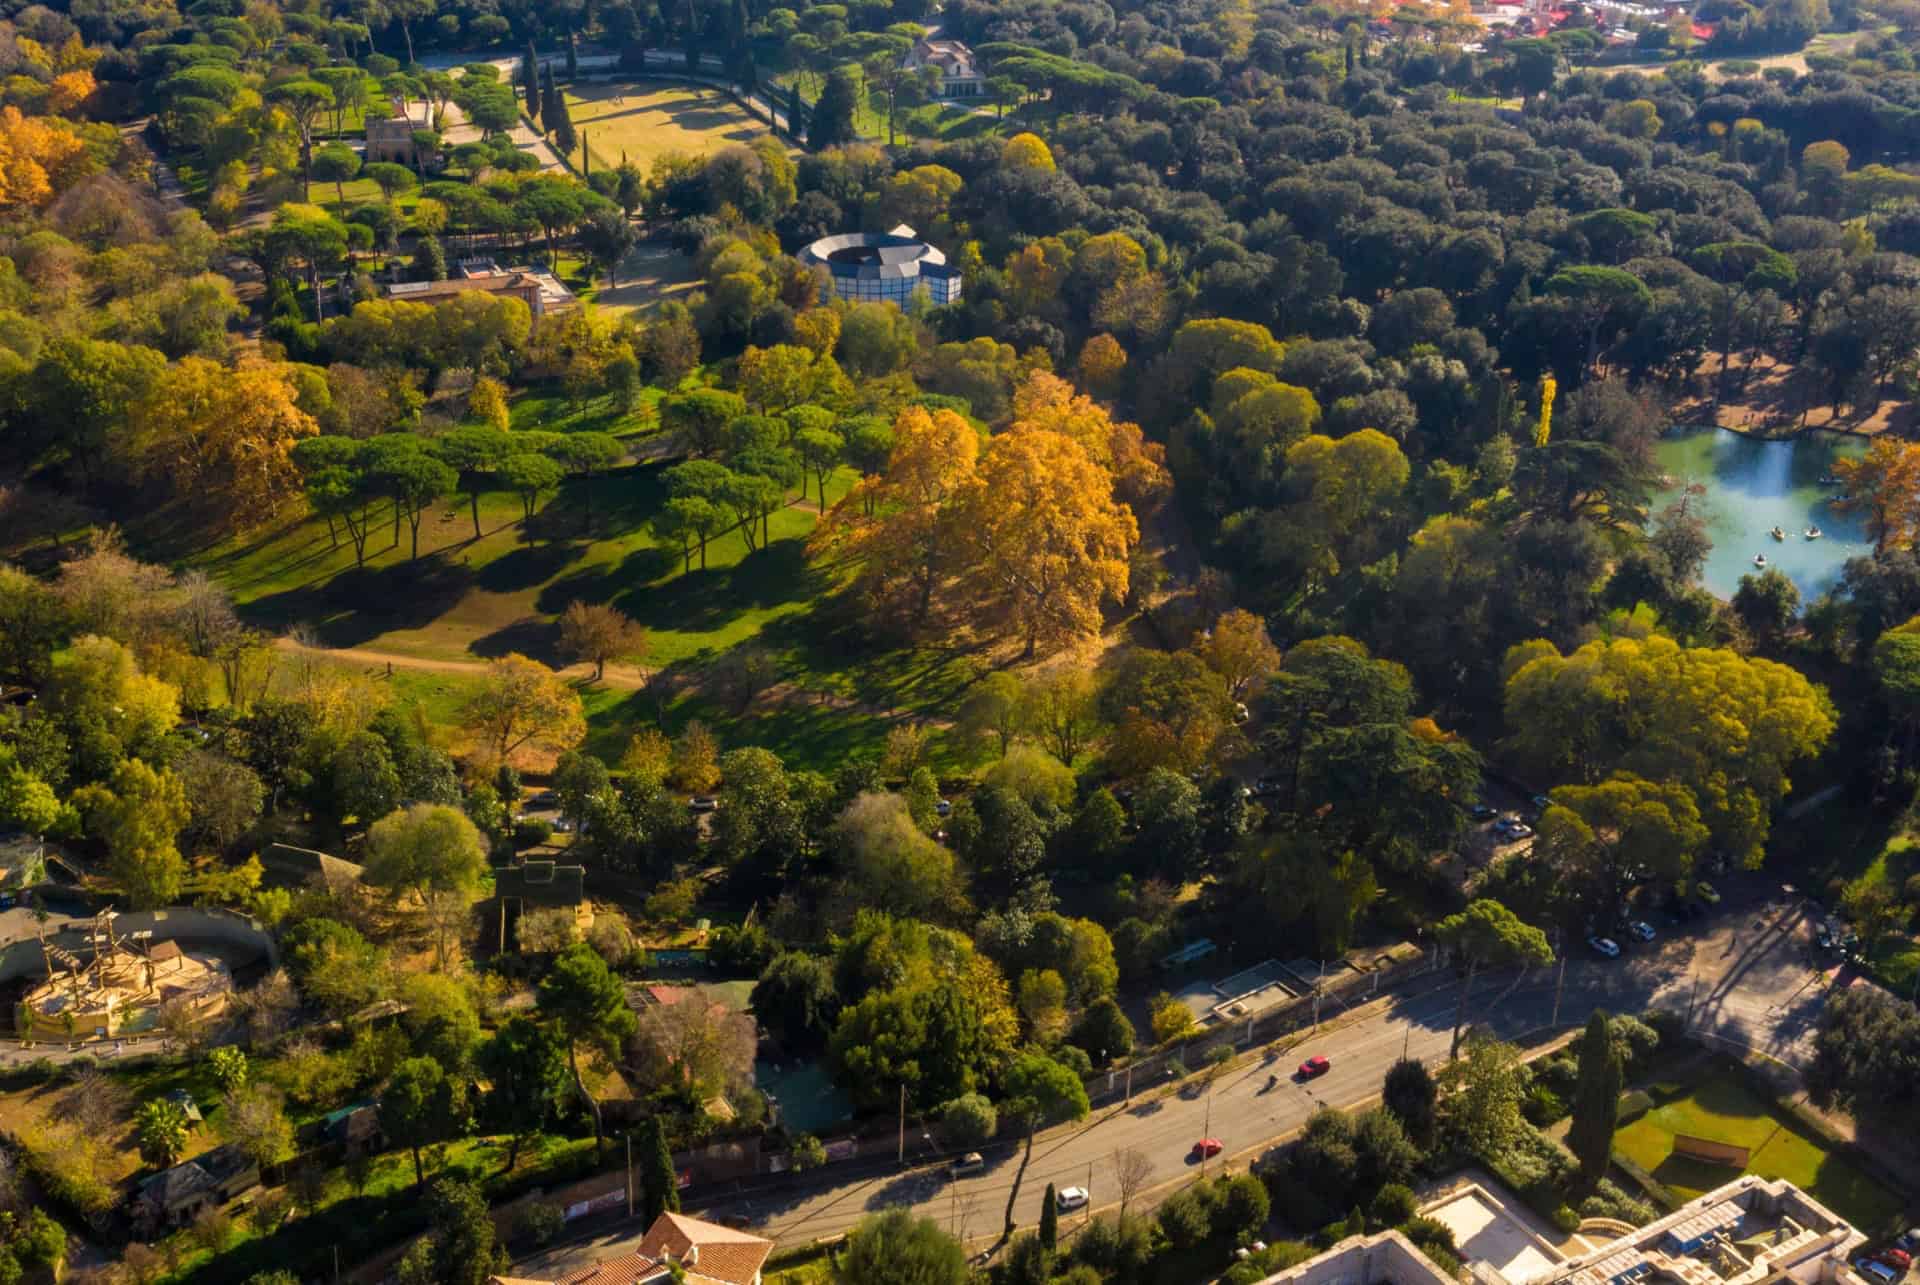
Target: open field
[648,119]
[1723,1109]
[469,600]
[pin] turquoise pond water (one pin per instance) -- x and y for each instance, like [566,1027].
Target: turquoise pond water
[1750,486]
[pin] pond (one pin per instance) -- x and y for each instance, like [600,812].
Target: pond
[1749,486]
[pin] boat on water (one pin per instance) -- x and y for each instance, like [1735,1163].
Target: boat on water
[1778,534]
[1814,533]
[1759,559]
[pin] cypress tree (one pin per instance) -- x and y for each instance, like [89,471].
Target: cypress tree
[551,104]
[1050,1220]
[659,1185]
[573,59]
[1596,1101]
[530,79]
[833,115]
[562,125]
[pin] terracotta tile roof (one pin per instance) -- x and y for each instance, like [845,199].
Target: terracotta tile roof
[726,1255]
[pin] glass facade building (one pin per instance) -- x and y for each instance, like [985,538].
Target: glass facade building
[883,267]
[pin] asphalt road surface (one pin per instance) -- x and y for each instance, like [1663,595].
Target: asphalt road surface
[1739,981]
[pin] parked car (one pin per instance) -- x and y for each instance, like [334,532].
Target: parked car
[1204,1149]
[1480,812]
[1240,712]
[1909,1242]
[1541,802]
[1605,947]
[1641,930]
[972,1162]
[1706,893]
[1314,1067]
[1264,786]
[942,807]
[1512,831]
[703,803]
[1877,1272]
[1070,1198]
[1898,1259]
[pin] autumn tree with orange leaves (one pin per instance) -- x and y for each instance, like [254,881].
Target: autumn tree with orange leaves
[1884,484]
[899,525]
[1138,467]
[1029,536]
[39,158]
[1048,542]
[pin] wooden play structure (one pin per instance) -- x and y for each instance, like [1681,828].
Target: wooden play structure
[115,985]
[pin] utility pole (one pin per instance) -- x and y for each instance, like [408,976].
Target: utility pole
[1089,1204]
[1129,1096]
[629,1173]
[1406,1041]
[903,1124]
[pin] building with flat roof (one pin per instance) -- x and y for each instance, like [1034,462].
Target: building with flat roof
[1753,1231]
[883,267]
[1750,1231]
[1384,1258]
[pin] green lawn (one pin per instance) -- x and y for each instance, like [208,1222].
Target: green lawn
[1723,1109]
[647,119]
[468,599]
[359,1225]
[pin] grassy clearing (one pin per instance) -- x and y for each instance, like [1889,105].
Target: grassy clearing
[1723,1109]
[357,1225]
[466,600]
[649,119]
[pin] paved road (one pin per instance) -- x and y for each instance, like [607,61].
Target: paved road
[1747,983]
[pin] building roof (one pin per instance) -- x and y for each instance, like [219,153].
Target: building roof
[542,883]
[720,1253]
[878,255]
[492,282]
[189,1178]
[290,867]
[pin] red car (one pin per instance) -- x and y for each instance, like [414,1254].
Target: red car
[1314,1067]
[1899,1258]
[1206,1148]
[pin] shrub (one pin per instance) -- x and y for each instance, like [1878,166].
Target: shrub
[1186,1217]
[1542,1106]
[540,1222]
[1633,1105]
[1608,1201]
[1636,1040]
[1426,1232]
[531,833]
[1565,1218]
[1242,1208]
[1558,1074]
[746,950]
[1393,1204]
[1119,1248]
[968,1120]
[1669,1026]
[1300,1205]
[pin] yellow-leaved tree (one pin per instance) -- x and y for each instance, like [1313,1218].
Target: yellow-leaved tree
[523,703]
[224,438]
[899,525]
[1138,467]
[1728,727]
[39,158]
[1048,542]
